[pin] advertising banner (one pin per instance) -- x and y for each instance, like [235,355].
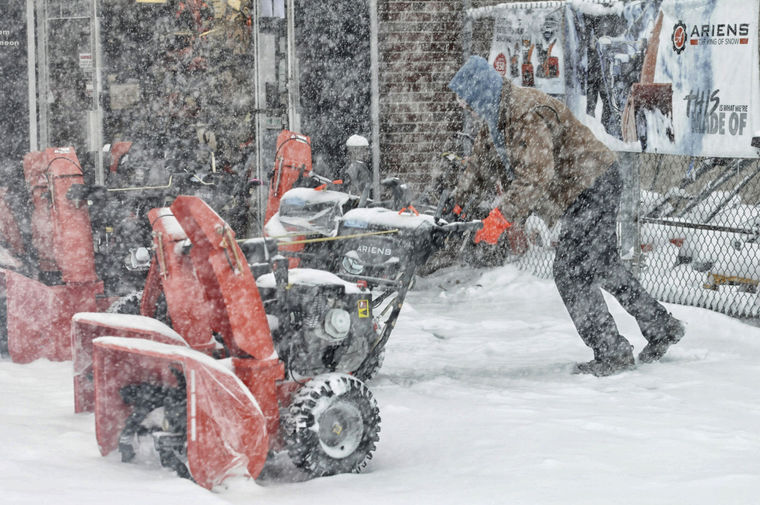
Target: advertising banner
[14,108]
[527,44]
[666,76]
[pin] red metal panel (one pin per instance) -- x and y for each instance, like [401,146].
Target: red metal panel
[72,233]
[227,432]
[230,433]
[216,252]
[35,172]
[261,379]
[61,232]
[87,327]
[151,290]
[113,368]
[39,316]
[118,150]
[191,312]
[292,159]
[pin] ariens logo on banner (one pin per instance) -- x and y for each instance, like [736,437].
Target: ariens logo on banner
[679,37]
[713,34]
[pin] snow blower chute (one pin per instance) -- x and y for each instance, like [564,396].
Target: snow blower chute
[292,161]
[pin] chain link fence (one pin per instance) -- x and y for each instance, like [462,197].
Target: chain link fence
[699,222]
[691,232]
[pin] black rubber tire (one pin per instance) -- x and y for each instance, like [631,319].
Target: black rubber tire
[130,304]
[144,398]
[127,304]
[332,426]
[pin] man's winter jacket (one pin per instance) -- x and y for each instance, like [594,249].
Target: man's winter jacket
[552,156]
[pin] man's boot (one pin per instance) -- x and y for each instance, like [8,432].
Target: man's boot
[660,339]
[609,359]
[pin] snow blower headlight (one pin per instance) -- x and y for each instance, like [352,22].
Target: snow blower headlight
[138,259]
[352,264]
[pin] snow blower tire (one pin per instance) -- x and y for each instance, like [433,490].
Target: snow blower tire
[159,416]
[127,304]
[332,426]
[130,304]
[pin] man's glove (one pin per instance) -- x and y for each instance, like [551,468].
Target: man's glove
[493,226]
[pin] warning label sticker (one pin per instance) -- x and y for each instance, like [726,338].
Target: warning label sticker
[363,308]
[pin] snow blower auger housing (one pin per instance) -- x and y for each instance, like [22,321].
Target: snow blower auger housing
[214,411]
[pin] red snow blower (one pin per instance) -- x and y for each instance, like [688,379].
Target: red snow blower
[206,400]
[85,243]
[37,308]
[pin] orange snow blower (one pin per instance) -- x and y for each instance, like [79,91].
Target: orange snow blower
[208,402]
[36,311]
[292,161]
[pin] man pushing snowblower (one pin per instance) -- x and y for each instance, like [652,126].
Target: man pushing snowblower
[556,168]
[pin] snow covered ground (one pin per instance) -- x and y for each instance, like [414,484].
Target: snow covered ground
[478,407]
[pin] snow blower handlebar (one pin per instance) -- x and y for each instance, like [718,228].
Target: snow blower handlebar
[425,244]
[423,241]
[460,227]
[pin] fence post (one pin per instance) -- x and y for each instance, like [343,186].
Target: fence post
[628,215]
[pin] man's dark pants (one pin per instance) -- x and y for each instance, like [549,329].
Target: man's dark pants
[587,261]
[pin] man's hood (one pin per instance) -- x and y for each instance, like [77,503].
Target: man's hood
[480,86]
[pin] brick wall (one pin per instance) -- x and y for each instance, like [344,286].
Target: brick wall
[420,48]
